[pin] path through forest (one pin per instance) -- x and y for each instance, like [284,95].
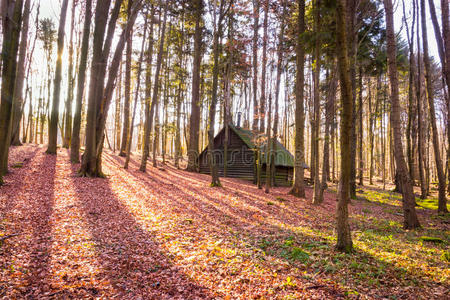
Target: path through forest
[167,234]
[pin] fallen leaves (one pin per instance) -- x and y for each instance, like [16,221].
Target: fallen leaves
[166,234]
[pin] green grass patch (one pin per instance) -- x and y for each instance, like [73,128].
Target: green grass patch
[431,239]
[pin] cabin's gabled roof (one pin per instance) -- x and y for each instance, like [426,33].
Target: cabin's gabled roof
[282,158]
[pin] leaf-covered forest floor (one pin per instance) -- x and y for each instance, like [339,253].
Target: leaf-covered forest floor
[166,234]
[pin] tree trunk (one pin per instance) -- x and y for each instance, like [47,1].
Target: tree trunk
[194,121]
[255,125]
[126,105]
[446,37]
[442,202]
[11,32]
[215,181]
[318,196]
[298,188]
[360,119]
[344,239]
[410,217]
[75,143]
[329,116]
[353,42]
[136,96]
[53,127]
[420,124]
[20,78]
[149,105]
[71,80]
[100,96]
[262,103]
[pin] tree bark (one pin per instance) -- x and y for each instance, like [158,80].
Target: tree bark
[344,239]
[20,77]
[75,143]
[194,121]
[318,196]
[53,127]
[136,96]
[71,80]
[255,125]
[298,188]
[446,37]
[442,202]
[11,32]
[420,124]
[149,105]
[410,217]
[126,105]
[262,103]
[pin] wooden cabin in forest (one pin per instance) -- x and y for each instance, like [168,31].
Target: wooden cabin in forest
[242,146]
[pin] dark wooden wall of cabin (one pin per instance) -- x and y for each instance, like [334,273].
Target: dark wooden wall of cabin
[241,161]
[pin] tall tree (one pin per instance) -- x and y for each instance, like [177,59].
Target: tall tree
[218,31]
[11,32]
[149,105]
[20,78]
[126,105]
[318,196]
[410,217]
[446,37]
[442,202]
[194,121]
[255,125]
[136,96]
[262,103]
[53,127]
[344,239]
[298,188]
[99,95]
[75,143]
[70,84]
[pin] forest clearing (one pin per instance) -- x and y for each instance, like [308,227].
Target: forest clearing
[167,234]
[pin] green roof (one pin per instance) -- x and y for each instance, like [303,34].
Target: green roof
[282,156]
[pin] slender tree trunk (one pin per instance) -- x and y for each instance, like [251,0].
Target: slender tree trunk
[149,105]
[420,124]
[328,123]
[410,217]
[352,6]
[360,119]
[318,196]
[446,37]
[11,34]
[71,80]
[215,181]
[126,105]
[442,202]
[20,77]
[53,127]
[298,188]
[262,103]
[75,143]
[344,239]
[136,96]
[410,132]
[194,121]
[255,125]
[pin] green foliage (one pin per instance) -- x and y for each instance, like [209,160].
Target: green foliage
[431,239]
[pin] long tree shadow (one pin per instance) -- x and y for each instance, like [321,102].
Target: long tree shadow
[131,258]
[42,202]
